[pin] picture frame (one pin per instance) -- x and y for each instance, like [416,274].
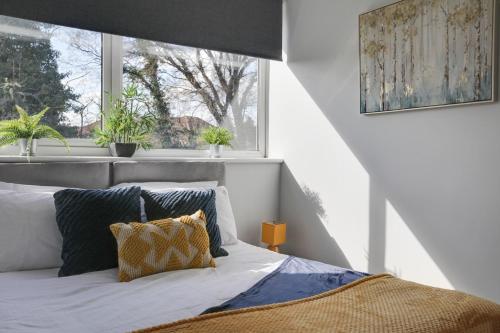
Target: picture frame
[427,54]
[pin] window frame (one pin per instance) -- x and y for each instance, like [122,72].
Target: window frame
[112,82]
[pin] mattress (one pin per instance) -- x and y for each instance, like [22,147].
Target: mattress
[39,301]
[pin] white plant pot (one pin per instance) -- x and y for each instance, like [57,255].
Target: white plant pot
[24,150]
[216,151]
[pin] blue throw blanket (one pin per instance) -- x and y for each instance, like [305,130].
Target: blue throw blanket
[296,278]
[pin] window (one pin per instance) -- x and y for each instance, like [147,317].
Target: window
[190,89]
[45,65]
[186,89]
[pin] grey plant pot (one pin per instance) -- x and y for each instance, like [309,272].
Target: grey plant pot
[215,151]
[24,150]
[123,149]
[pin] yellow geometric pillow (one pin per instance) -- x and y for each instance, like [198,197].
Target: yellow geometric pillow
[163,245]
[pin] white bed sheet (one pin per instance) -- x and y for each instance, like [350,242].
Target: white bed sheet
[39,301]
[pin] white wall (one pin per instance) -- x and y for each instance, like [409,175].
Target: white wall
[254,194]
[416,193]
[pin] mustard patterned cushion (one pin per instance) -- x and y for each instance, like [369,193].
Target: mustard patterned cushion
[163,245]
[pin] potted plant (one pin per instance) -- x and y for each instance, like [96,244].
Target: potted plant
[217,138]
[26,130]
[126,125]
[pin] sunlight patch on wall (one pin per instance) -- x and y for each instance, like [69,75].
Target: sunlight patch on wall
[326,169]
[406,257]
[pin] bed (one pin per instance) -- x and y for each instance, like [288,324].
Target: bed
[40,301]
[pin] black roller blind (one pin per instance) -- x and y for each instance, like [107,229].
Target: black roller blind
[250,27]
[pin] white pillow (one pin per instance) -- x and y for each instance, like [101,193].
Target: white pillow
[225,216]
[29,236]
[159,186]
[151,186]
[29,188]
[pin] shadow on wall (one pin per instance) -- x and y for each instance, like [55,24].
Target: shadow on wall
[309,227]
[436,171]
[303,237]
[377,233]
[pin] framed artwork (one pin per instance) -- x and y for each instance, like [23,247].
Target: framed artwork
[417,54]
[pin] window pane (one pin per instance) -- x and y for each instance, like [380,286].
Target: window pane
[45,65]
[189,89]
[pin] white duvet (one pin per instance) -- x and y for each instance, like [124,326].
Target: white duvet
[39,301]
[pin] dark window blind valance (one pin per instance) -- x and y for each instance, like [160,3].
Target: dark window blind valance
[250,27]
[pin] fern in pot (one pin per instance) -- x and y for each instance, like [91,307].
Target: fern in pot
[217,138]
[126,128]
[26,131]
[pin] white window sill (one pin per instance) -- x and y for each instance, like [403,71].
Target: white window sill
[40,159]
[82,152]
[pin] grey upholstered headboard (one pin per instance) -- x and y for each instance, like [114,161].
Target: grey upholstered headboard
[105,174]
[151,171]
[80,175]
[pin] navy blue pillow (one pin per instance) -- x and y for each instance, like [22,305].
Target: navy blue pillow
[186,202]
[84,217]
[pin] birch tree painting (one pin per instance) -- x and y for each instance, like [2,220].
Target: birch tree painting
[426,53]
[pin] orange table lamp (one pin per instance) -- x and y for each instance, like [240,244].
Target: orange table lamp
[273,234]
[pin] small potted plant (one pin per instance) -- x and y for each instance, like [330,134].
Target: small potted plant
[217,138]
[126,126]
[26,130]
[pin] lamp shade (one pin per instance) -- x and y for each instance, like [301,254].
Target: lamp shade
[273,234]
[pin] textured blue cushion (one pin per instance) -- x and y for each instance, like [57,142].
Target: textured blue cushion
[186,202]
[84,217]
